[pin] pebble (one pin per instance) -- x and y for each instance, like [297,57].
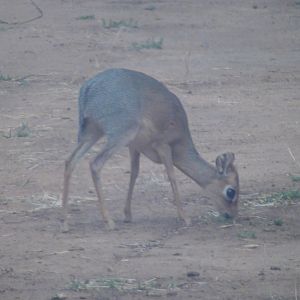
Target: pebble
[192,274]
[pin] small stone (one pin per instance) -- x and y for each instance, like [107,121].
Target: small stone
[59,297]
[192,274]
[157,293]
[251,246]
[109,269]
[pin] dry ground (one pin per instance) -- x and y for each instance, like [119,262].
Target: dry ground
[235,64]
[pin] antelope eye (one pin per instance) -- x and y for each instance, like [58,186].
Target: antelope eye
[230,193]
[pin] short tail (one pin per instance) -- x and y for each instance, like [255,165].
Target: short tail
[81,119]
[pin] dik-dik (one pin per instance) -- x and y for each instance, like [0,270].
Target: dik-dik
[135,110]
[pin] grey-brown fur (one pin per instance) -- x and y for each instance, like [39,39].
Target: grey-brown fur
[135,110]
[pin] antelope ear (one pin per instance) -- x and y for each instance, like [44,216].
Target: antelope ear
[224,162]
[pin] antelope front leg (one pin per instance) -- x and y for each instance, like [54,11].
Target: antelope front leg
[165,155]
[135,164]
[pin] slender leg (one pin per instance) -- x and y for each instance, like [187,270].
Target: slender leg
[113,144]
[135,165]
[70,164]
[165,154]
[96,166]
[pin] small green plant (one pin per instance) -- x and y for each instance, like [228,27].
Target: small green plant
[295,178]
[278,222]
[87,17]
[247,234]
[123,285]
[2,29]
[76,285]
[223,219]
[59,297]
[23,130]
[150,7]
[22,82]
[215,217]
[5,77]
[114,283]
[117,24]
[280,198]
[148,44]
[289,195]
[7,135]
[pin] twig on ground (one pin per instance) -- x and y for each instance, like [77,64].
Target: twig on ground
[27,21]
[293,156]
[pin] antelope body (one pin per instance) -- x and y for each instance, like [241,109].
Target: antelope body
[135,110]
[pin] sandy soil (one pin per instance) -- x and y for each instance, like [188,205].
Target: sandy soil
[236,67]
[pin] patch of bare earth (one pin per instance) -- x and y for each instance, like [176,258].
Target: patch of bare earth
[236,67]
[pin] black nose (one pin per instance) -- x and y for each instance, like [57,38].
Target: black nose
[227,216]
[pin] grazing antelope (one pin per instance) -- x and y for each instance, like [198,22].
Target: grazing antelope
[135,110]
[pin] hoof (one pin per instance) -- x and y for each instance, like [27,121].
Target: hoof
[128,219]
[65,227]
[187,221]
[110,225]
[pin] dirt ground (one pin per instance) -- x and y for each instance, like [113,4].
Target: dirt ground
[235,65]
